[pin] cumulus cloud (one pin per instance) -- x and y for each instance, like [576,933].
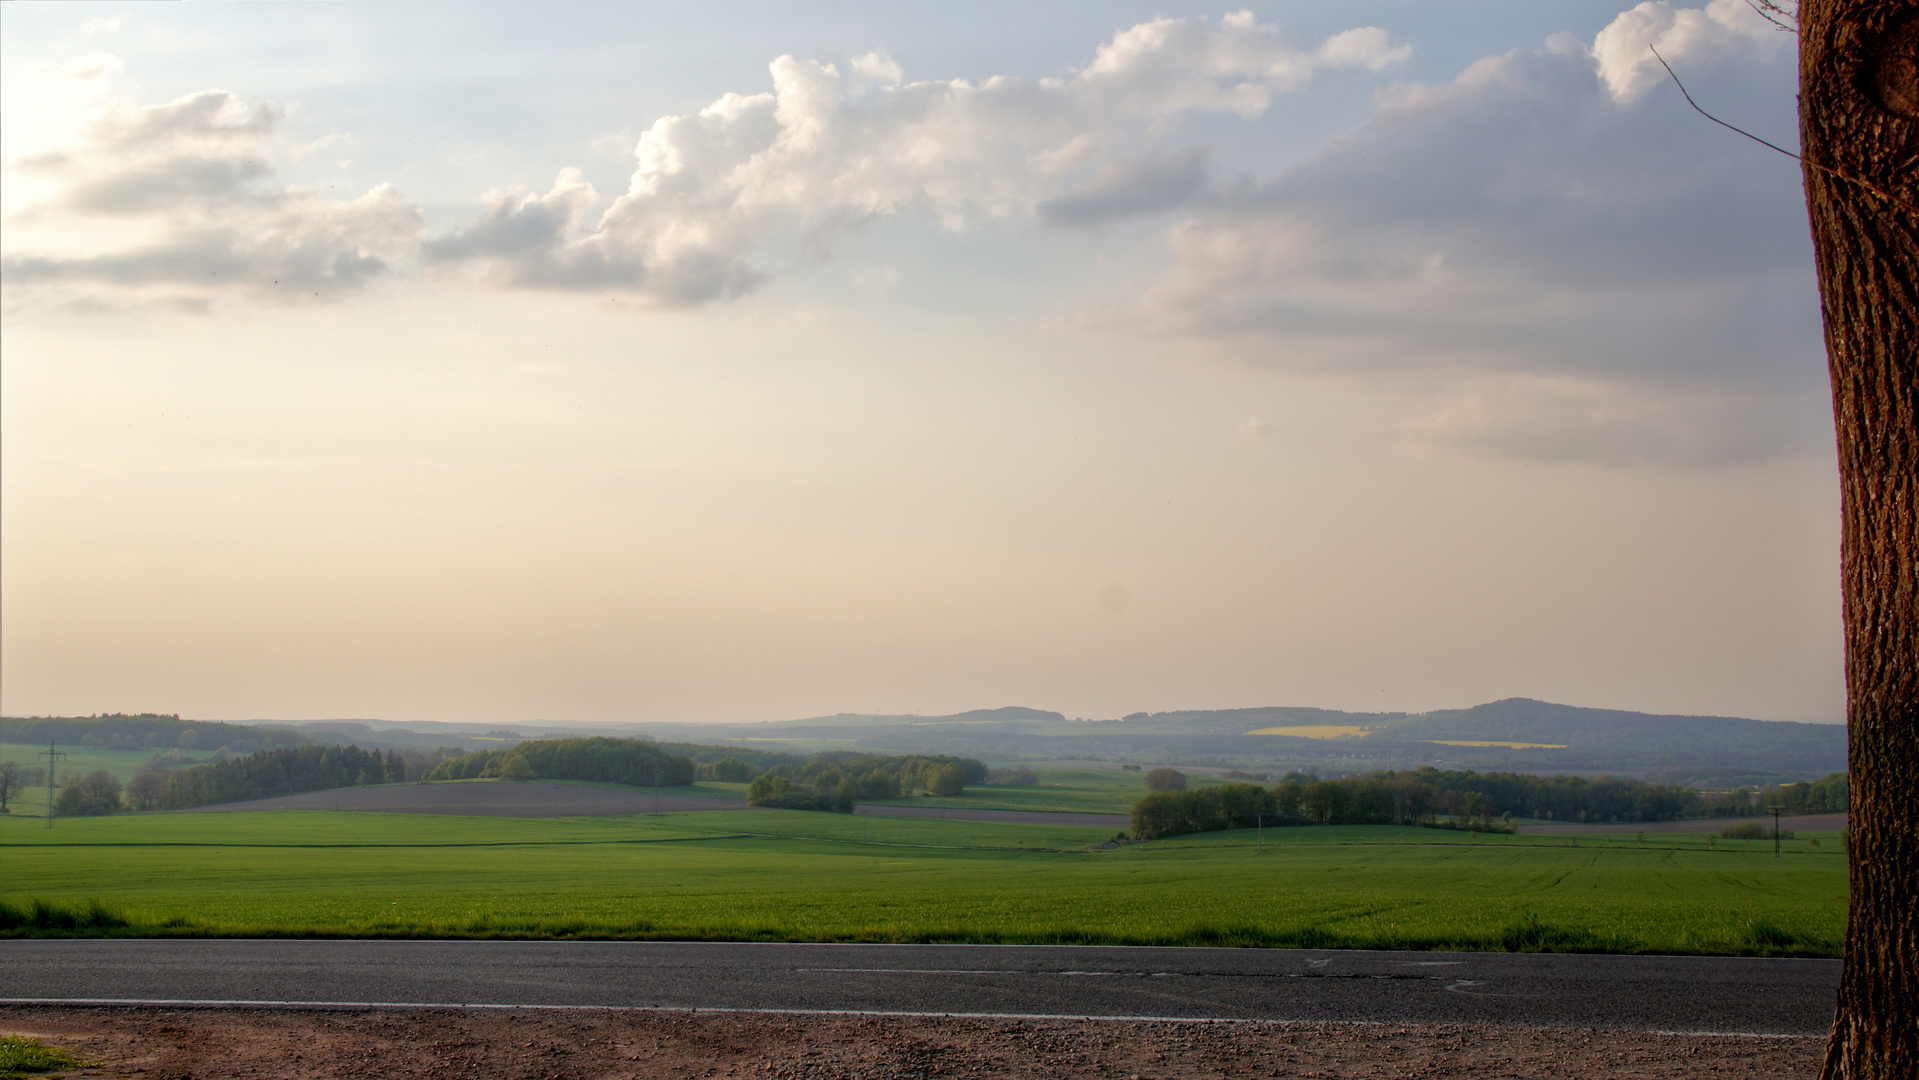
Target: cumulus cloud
[716,192]
[112,202]
[1722,30]
[1558,259]
[1549,256]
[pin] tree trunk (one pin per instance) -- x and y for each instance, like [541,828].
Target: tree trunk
[1859,133]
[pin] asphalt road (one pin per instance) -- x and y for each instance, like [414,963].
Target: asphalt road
[1637,993]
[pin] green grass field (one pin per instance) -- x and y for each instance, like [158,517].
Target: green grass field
[1086,791]
[792,876]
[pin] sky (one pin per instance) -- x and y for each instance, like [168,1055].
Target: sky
[739,361]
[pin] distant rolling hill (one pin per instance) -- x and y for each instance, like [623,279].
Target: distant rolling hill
[1517,734]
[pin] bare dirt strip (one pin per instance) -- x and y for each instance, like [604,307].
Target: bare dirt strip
[527,799]
[551,1044]
[1802,823]
[535,799]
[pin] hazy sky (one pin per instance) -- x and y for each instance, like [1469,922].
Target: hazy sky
[719,361]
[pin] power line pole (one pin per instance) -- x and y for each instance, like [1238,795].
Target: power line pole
[53,757]
[1775,808]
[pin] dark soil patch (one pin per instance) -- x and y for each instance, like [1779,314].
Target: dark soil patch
[548,1044]
[524,799]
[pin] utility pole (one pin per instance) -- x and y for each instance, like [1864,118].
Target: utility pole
[656,785]
[1775,808]
[53,757]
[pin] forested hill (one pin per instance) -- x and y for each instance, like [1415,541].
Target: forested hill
[147,731]
[1015,716]
[1515,734]
[1526,720]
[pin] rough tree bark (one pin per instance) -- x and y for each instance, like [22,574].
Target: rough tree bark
[1859,135]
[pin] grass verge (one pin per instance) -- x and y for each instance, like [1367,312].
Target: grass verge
[21,1056]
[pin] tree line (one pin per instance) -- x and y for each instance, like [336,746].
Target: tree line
[1824,796]
[638,762]
[147,731]
[255,776]
[1466,799]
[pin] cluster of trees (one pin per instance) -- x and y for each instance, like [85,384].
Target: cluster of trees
[772,789]
[259,776]
[98,792]
[837,779]
[1825,796]
[1225,806]
[613,761]
[1160,781]
[757,760]
[882,776]
[1443,797]
[729,770]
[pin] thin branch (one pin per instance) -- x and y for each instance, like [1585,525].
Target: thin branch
[1840,173]
[1709,116]
[1776,14]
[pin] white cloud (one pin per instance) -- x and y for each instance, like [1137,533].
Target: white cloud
[718,193]
[1721,30]
[1548,256]
[112,202]
[1556,262]
[99,25]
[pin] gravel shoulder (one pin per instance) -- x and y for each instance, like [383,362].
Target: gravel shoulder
[550,1044]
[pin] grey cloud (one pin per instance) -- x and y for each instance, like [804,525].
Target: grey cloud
[1152,184]
[210,116]
[165,185]
[188,187]
[1523,224]
[297,250]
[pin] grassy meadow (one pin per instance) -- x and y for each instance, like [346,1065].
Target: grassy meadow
[1084,791]
[793,876]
